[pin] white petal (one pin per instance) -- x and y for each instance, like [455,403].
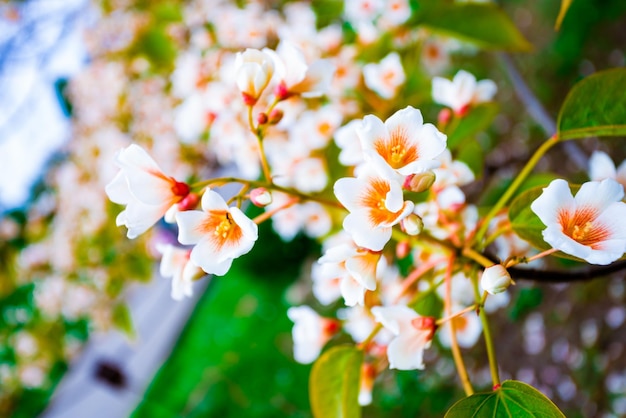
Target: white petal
[213,201]
[352,291]
[409,120]
[554,198]
[118,191]
[599,194]
[189,230]
[406,351]
[396,319]
[357,225]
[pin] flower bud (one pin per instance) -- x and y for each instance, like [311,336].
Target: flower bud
[275,116]
[495,279]
[444,117]
[260,197]
[403,249]
[419,182]
[261,118]
[253,72]
[412,224]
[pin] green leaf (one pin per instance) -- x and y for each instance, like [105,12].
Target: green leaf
[485,25]
[513,399]
[123,320]
[595,107]
[525,223]
[472,154]
[334,383]
[476,120]
[565,4]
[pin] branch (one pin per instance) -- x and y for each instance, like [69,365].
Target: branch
[556,276]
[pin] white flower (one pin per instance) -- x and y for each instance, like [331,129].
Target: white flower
[403,142]
[462,91]
[144,189]
[375,204]
[413,334]
[310,333]
[495,279]
[591,225]
[298,77]
[175,263]
[602,167]
[385,77]
[219,233]
[253,72]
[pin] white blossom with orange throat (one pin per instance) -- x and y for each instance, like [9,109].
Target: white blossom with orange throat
[145,190]
[219,233]
[589,225]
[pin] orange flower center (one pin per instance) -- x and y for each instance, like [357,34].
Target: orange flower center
[396,150]
[222,227]
[580,226]
[374,199]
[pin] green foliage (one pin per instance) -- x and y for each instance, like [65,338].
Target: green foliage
[525,223]
[472,154]
[476,120]
[513,399]
[334,383]
[485,25]
[595,107]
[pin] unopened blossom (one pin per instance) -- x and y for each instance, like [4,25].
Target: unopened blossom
[219,233]
[462,91]
[375,204]
[590,225]
[254,70]
[601,167]
[413,334]
[145,190]
[175,263]
[495,279]
[403,142]
[310,333]
[296,76]
[385,77]
[260,197]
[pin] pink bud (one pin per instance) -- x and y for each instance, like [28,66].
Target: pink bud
[444,117]
[261,118]
[260,197]
[403,249]
[281,91]
[275,116]
[189,202]
[419,182]
[248,100]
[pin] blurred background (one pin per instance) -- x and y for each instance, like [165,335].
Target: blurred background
[87,325]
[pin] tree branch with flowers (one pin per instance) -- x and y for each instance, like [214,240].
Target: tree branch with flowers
[328,142]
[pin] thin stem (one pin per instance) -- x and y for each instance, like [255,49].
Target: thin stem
[530,165]
[542,254]
[417,274]
[456,351]
[370,337]
[491,238]
[477,257]
[266,215]
[442,321]
[270,186]
[491,352]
